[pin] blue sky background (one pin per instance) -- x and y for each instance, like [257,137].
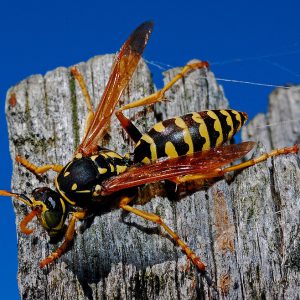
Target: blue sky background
[246,40]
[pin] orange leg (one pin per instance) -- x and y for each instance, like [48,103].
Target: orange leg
[86,95]
[69,235]
[156,219]
[246,164]
[153,98]
[37,170]
[26,220]
[261,158]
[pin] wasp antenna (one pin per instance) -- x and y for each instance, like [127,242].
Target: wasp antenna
[21,197]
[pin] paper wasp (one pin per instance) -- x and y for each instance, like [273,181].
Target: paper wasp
[180,149]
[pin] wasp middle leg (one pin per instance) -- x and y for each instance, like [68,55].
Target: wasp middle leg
[158,96]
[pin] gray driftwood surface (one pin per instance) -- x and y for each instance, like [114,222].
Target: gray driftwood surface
[246,229]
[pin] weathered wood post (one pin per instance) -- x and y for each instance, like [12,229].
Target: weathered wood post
[245,230]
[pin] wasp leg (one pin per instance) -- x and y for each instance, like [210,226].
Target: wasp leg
[37,170]
[263,157]
[26,220]
[69,235]
[156,219]
[159,96]
[246,164]
[129,127]
[80,80]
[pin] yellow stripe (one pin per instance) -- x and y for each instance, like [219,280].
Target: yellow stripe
[44,209]
[78,155]
[121,169]
[152,145]
[97,190]
[62,193]
[186,134]
[68,165]
[229,122]
[217,127]
[202,130]
[238,118]
[102,170]
[113,154]
[40,203]
[103,155]
[159,127]
[74,187]
[146,160]
[61,223]
[170,150]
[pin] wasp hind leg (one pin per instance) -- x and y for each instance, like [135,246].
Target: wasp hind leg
[69,235]
[35,169]
[158,96]
[221,172]
[157,219]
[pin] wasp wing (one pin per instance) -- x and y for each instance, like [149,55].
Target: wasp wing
[122,70]
[199,162]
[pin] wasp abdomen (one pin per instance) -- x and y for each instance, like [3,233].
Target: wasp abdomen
[196,131]
[80,179]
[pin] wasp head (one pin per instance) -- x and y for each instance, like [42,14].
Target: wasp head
[51,209]
[47,205]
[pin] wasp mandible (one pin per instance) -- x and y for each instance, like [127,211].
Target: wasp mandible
[180,149]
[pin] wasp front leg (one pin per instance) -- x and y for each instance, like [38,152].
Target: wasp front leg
[35,169]
[158,96]
[69,235]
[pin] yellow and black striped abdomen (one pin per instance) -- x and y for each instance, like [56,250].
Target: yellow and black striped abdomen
[188,134]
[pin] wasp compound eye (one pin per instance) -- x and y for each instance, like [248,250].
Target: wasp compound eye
[48,197]
[42,194]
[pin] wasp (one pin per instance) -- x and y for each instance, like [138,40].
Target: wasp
[181,149]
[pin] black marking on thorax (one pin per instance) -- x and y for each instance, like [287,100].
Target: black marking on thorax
[80,178]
